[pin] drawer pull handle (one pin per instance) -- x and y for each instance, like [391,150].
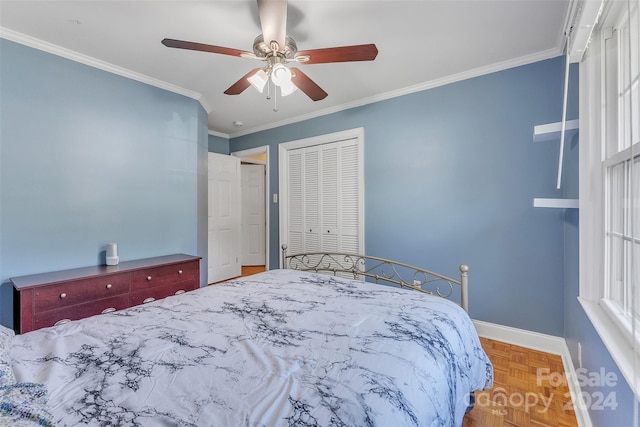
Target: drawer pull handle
[150,299]
[179,271]
[108,310]
[181,291]
[148,277]
[61,322]
[109,286]
[63,295]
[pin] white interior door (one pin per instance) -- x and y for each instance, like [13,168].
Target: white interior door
[224,223]
[253,215]
[322,193]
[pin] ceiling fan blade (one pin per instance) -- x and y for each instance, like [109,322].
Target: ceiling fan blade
[273,19]
[181,44]
[308,86]
[238,87]
[361,52]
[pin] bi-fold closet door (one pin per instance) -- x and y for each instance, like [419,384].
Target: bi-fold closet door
[325,198]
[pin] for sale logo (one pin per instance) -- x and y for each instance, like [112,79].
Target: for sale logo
[596,400]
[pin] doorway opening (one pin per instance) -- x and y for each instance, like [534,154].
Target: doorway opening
[255,207]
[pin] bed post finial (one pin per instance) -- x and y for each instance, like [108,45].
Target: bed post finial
[464,283]
[284,255]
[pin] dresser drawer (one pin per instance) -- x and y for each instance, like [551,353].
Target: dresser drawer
[164,276]
[42,299]
[49,318]
[159,292]
[79,291]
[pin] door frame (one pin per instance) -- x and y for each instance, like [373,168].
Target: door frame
[251,152]
[283,176]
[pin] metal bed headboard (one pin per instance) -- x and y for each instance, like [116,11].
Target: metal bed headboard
[382,270]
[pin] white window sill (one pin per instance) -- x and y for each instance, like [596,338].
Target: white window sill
[616,342]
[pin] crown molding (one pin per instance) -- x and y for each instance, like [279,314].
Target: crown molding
[35,43]
[500,66]
[105,66]
[219,134]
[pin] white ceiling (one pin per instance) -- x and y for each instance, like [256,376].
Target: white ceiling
[421,43]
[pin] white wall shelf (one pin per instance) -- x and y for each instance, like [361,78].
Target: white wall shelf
[552,131]
[555,203]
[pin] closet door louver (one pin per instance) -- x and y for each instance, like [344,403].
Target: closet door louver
[350,197]
[324,198]
[330,213]
[296,202]
[311,207]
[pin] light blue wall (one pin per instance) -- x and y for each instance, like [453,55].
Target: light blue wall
[450,175]
[87,158]
[218,145]
[202,209]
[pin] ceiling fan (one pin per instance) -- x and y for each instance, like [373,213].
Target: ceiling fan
[276,49]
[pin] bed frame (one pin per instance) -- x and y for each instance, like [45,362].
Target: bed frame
[361,267]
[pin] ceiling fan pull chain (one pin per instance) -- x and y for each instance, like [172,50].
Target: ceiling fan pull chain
[275,99]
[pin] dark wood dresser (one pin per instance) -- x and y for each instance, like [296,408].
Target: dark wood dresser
[49,299]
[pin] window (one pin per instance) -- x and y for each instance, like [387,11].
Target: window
[622,172]
[610,184]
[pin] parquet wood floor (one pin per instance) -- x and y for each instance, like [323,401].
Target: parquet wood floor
[246,271]
[525,390]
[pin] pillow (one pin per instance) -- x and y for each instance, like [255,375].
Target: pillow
[24,404]
[6,334]
[6,371]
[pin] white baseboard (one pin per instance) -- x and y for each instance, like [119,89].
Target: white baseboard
[541,342]
[533,340]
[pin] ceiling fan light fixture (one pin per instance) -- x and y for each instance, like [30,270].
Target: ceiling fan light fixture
[288,89]
[259,80]
[280,75]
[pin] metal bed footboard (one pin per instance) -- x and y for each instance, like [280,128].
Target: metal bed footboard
[382,270]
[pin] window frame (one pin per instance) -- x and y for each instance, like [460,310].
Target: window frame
[616,334]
